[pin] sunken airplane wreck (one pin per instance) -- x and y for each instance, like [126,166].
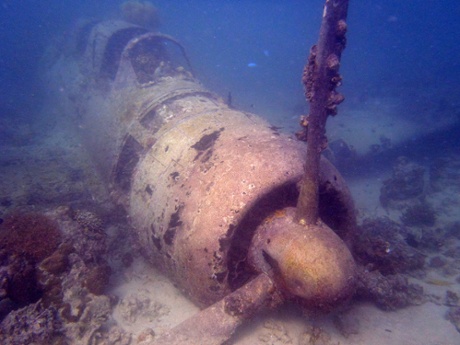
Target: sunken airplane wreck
[204,185]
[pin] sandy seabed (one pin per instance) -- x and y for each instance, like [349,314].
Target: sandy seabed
[53,169]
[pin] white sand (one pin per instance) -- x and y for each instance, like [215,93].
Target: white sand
[425,324]
[149,300]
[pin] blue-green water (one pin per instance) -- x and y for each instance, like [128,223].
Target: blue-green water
[400,79]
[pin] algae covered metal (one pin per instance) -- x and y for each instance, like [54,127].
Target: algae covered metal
[208,189]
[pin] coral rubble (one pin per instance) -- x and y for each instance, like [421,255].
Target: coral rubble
[25,240]
[389,292]
[382,244]
[419,214]
[407,183]
[55,273]
[32,235]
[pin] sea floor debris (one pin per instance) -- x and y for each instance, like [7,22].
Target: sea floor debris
[94,233]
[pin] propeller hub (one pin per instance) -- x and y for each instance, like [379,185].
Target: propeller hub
[309,263]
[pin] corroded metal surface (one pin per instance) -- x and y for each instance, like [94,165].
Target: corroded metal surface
[196,177]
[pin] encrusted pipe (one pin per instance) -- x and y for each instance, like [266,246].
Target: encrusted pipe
[320,79]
